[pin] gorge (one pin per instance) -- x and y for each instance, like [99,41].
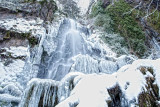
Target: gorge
[56,53]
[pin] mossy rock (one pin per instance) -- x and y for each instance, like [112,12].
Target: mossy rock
[2,103]
[144,69]
[150,97]
[7,35]
[12,34]
[33,41]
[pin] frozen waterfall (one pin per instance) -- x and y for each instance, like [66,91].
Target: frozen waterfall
[82,64]
[69,44]
[74,52]
[64,62]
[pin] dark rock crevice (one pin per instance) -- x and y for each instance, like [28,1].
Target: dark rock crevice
[116,95]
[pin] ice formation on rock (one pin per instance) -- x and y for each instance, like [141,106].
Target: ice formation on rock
[85,64]
[22,25]
[80,90]
[76,68]
[40,93]
[70,41]
[108,67]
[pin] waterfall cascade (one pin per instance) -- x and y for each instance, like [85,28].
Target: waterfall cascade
[70,66]
[76,53]
[69,44]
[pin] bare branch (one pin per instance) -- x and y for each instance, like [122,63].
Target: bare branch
[149,7]
[148,14]
[129,12]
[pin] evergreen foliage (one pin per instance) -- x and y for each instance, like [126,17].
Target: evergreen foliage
[113,18]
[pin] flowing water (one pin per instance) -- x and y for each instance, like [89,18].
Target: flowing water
[69,44]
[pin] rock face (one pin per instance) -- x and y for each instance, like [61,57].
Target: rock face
[150,96]
[44,9]
[19,36]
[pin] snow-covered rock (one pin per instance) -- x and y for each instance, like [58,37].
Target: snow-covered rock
[97,90]
[22,25]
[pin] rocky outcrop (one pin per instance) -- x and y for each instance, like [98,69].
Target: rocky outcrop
[150,95]
[44,9]
[20,29]
[18,36]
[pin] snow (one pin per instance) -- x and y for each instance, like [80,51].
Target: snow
[135,78]
[9,98]
[83,5]
[95,41]
[22,25]
[91,90]
[10,72]
[131,83]
[17,51]
[2,72]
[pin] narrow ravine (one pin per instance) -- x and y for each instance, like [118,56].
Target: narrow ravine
[52,55]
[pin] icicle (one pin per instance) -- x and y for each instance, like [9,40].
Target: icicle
[85,64]
[40,93]
[108,67]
